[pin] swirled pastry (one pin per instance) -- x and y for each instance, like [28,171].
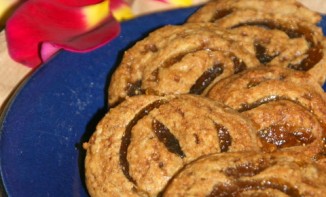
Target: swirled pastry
[288,107]
[178,60]
[141,143]
[297,49]
[301,47]
[249,174]
[217,9]
[228,104]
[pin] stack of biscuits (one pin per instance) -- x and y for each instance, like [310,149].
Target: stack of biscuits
[229,103]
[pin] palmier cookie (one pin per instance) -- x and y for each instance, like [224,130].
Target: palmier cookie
[217,9]
[249,174]
[178,60]
[301,47]
[287,106]
[141,143]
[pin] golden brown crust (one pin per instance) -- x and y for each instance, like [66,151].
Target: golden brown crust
[260,58]
[280,8]
[249,174]
[173,59]
[163,137]
[302,47]
[288,107]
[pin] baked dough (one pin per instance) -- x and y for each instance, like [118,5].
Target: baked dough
[139,145]
[288,107]
[178,60]
[228,104]
[217,9]
[249,174]
[259,25]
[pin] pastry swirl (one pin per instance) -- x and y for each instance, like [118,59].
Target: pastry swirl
[217,9]
[178,60]
[301,47]
[249,174]
[287,106]
[228,104]
[140,144]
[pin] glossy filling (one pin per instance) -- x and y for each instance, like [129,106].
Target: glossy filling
[262,55]
[246,106]
[206,79]
[248,169]
[238,65]
[281,136]
[224,137]
[236,187]
[126,138]
[134,89]
[167,138]
[220,14]
[314,53]
[201,83]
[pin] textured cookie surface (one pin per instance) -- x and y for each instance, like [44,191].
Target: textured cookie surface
[217,9]
[288,106]
[178,60]
[260,132]
[301,47]
[141,143]
[249,174]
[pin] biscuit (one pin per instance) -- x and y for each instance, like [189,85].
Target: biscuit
[249,174]
[228,104]
[301,47]
[141,143]
[288,107]
[217,9]
[178,60]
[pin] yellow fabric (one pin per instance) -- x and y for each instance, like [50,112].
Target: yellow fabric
[124,12]
[181,2]
[6,7]
[94,14]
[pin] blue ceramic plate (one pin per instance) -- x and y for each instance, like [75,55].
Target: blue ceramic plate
[58,108]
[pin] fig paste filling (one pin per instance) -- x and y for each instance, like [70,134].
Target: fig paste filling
[219,14]
[262,55]
[135,88]
[224,137]
[246,107]
[314,53]
[248,169]
[167,138]
[206,79]
[126,138]
[281,136]
[201,83]
[238,65]
[236,187]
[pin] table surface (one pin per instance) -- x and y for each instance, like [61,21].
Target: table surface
[12,73]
